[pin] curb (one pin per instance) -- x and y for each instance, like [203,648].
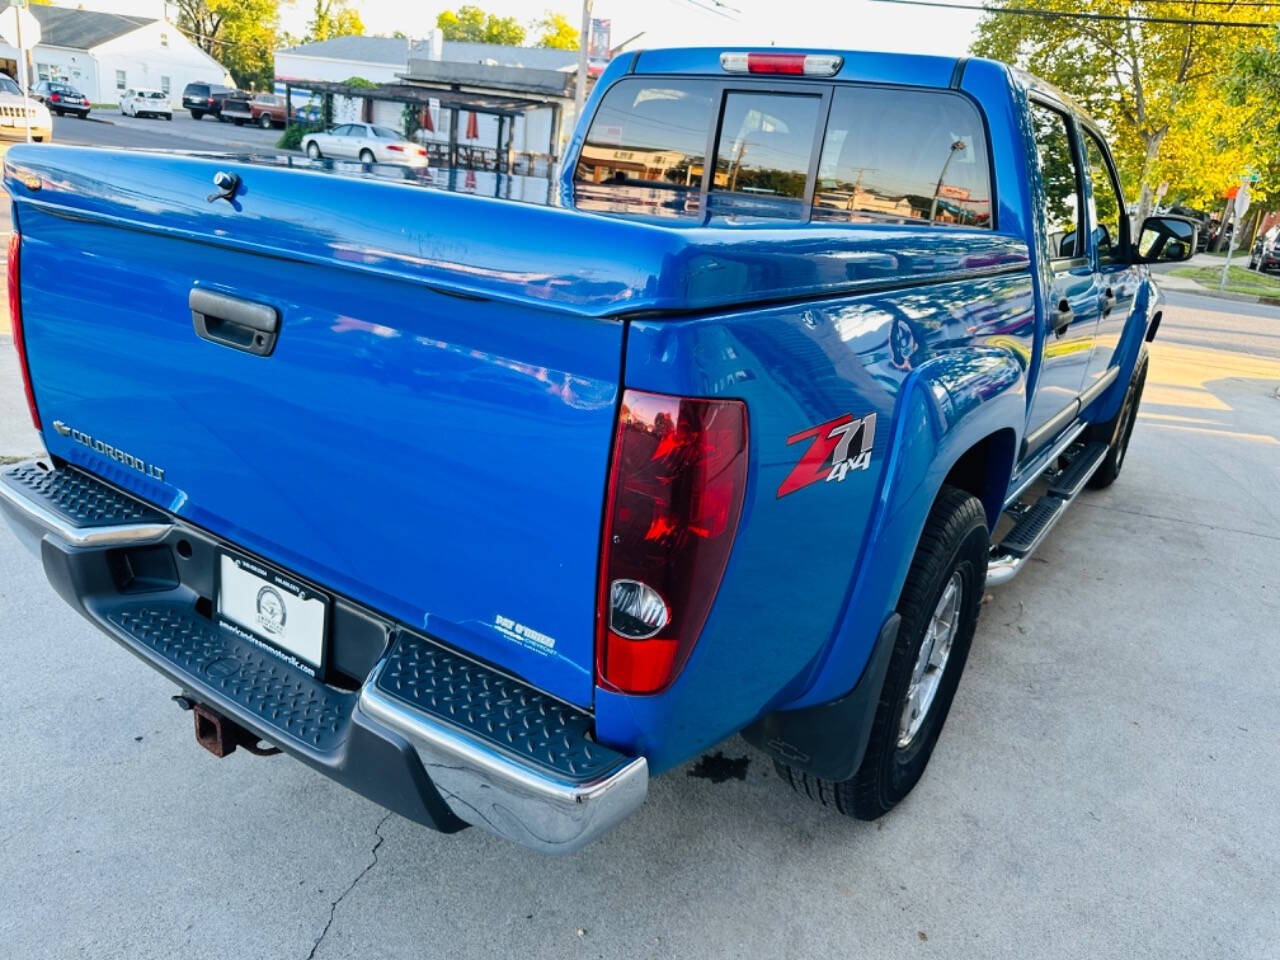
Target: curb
[1225,295]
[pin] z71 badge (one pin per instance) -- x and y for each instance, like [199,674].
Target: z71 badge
[831,453]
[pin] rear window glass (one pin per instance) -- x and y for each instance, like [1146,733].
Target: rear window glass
[903,156]
[766,141]
[650,133]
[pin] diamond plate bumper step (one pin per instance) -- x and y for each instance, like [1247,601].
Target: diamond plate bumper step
[79,509]
[504,756]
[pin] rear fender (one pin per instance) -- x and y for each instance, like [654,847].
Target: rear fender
[949,405]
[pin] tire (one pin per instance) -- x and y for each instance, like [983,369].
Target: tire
[264,121]
[169,117]
[366,156]
[221,118]
[197,114]
[952,553]
[239,122]
[84,115]
[1115,433]
[57,113]
[313,150]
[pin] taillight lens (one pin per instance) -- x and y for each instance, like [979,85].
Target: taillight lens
[675,497]
[15,320]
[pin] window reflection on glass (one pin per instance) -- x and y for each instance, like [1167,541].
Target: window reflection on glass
[649,133]
[765,144]
[1058,174]
[1107,205]
[903,156]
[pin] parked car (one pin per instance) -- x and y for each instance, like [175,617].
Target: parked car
[145,103]
[61,98]
[366,142]
[205,99]
[16,111]
[268,110]
[310,113]
[235,108]
[1265,255]
[493,510]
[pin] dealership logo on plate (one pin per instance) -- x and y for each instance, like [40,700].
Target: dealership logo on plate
[271,612]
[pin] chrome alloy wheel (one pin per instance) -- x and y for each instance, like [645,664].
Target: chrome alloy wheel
[931,663]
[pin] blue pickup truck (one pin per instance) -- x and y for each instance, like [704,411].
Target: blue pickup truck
[493,510]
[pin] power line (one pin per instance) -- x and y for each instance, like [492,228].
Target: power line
[1065,15]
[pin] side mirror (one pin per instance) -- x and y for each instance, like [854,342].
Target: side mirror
[1166,240]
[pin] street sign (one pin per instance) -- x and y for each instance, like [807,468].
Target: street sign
[19,28]
[1242,201]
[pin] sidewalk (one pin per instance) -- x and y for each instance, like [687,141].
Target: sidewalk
[1163,274]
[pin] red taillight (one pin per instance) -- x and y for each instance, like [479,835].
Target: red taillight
[55,97]
[675,496]
[15,319]
[211,101]
[795,64]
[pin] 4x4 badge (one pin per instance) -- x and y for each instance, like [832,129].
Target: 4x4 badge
[831,453]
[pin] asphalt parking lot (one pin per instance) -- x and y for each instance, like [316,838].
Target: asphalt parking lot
[1105,785]
[107,128]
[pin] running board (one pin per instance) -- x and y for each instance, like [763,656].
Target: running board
[1035,522]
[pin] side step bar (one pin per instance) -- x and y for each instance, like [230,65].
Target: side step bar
[1035,522]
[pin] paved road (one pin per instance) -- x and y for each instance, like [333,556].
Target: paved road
[181,133]
[1106,785]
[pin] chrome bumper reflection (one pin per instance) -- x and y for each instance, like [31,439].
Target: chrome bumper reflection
[496,792]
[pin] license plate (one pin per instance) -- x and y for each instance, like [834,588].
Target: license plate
[271,610]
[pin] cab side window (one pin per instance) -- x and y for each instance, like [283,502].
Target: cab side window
[1106,207]
[1056,158]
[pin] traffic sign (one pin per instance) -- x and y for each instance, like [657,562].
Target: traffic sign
[19,28]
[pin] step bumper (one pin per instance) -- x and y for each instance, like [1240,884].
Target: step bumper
[430,733]
[492,789]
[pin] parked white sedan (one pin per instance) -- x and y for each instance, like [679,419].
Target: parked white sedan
[145,103]
[365,142]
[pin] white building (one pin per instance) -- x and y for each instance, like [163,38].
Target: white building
[103,54]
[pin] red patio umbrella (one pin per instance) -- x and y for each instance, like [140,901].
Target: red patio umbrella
[473,126]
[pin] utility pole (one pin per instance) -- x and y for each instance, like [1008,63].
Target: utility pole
[584,39]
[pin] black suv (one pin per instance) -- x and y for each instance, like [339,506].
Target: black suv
[202,98]
[61,98]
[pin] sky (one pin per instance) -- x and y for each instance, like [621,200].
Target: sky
[851,24]
[841,24]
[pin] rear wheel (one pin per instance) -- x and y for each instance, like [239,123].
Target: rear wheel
[1117,431]
[264,121]
[939,608]
[366,156]
[197,114]
[57,113]
[313,150]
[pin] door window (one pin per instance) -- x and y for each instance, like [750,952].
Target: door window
[1107,210]
[1059,177]
[903,156]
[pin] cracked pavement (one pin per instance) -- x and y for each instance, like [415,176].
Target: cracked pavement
[1105,785]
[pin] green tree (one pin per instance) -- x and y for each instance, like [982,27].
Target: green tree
[471,24]
[1253,88]
[333,18]
[1140,80]
[556,32]
[240,34]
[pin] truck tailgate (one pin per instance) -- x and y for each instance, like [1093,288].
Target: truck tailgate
[439,455]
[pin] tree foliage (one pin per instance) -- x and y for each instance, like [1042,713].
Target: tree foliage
[555,31]
[1156,88]
[471,24]
[333,18]
[240,34]
[1253,89]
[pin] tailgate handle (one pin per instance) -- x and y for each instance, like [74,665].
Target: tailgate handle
[232,322]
